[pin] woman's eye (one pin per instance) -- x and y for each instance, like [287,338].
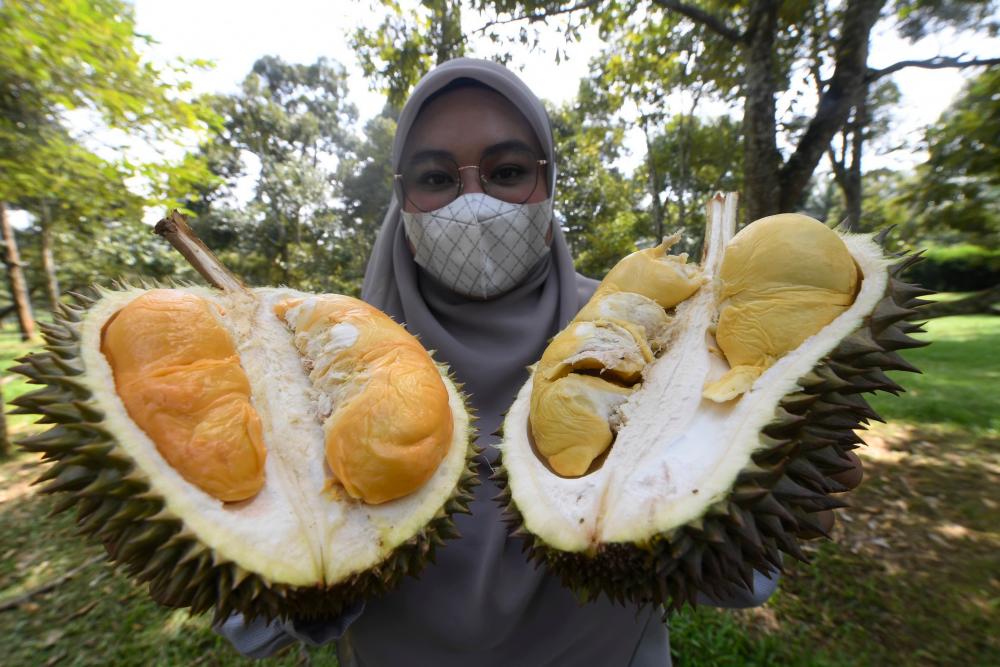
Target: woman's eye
[508,174]
[432,180]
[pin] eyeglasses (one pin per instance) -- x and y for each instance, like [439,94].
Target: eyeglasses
[432,180]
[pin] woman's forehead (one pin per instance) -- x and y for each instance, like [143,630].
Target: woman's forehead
[467,121]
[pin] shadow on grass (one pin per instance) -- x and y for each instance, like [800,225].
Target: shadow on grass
[98,617]
[910,578]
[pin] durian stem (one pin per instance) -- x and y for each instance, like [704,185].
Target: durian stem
[175,229]
[719,230]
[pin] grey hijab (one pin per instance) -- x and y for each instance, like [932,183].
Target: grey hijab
[482,603]
[488,344]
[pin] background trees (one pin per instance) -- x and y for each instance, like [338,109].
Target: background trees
[777,99]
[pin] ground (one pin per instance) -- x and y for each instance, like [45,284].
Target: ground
[910,577]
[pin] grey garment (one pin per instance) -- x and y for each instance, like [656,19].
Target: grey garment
[481,602]
[261,639]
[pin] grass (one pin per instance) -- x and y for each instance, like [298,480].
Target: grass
[910,578]
[912,575]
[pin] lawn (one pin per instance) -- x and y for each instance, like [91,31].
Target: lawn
[910,578]
[912,575]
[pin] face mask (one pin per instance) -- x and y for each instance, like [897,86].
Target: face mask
[479,246]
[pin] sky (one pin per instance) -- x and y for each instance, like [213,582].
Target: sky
[234,34]
[303,30]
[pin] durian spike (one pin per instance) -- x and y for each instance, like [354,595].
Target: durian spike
[175,229]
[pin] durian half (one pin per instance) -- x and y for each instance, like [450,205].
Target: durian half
[689,474]
[306,529]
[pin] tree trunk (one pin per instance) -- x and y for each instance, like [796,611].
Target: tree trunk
[4,436]
[761,159]
[48,262]
[846,173]
[653,185]
[18,286]
[852,185]
[841,94]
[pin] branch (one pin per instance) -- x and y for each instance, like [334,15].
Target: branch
[940,62]
[843,91]
[537,16]
[698,15]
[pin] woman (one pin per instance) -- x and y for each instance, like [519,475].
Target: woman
[469,258]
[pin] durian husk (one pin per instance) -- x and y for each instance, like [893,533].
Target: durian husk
[115,504]
[807,442]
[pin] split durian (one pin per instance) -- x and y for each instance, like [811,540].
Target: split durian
[687,424]
[263,451]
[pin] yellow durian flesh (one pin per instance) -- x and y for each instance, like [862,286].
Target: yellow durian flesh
[570,420]
[782,279]
[390,423]
[666,279]
[587,370]
[615,349]
[178,374]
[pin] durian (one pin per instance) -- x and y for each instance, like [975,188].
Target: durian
[653,482]
[263,451]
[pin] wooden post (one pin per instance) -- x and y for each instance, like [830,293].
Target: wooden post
[18,286]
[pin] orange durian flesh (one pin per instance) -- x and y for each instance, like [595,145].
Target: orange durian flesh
[179,375]
[391,422]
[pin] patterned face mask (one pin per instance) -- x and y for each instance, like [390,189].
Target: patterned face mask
[479,246]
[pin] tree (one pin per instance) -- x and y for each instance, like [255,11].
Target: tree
[406,45]
[15,276]
[772,41]
[294,123]
[693,159]
[868,121]
[61,55]
[957,190]
[366,194]
[595,202]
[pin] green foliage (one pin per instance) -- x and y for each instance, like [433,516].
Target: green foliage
[406,45]
[919,18]
[595,202]
[61,55]
[694,158]
[962,268]
[957,191]
[292,121]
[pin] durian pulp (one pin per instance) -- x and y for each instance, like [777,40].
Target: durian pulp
[294,531]
[676,454]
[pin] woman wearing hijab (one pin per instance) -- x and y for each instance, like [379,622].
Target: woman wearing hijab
[470,260]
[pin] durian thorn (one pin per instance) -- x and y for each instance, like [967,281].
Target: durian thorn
[894,339]
[857,344]
[888,312]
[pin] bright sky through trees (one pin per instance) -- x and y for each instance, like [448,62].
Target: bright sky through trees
[233,36]
[303,30]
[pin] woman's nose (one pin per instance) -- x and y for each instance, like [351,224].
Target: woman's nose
[471,180]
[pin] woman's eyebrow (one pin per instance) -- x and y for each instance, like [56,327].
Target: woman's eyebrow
[429,154]
[432,153]
[513,144]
